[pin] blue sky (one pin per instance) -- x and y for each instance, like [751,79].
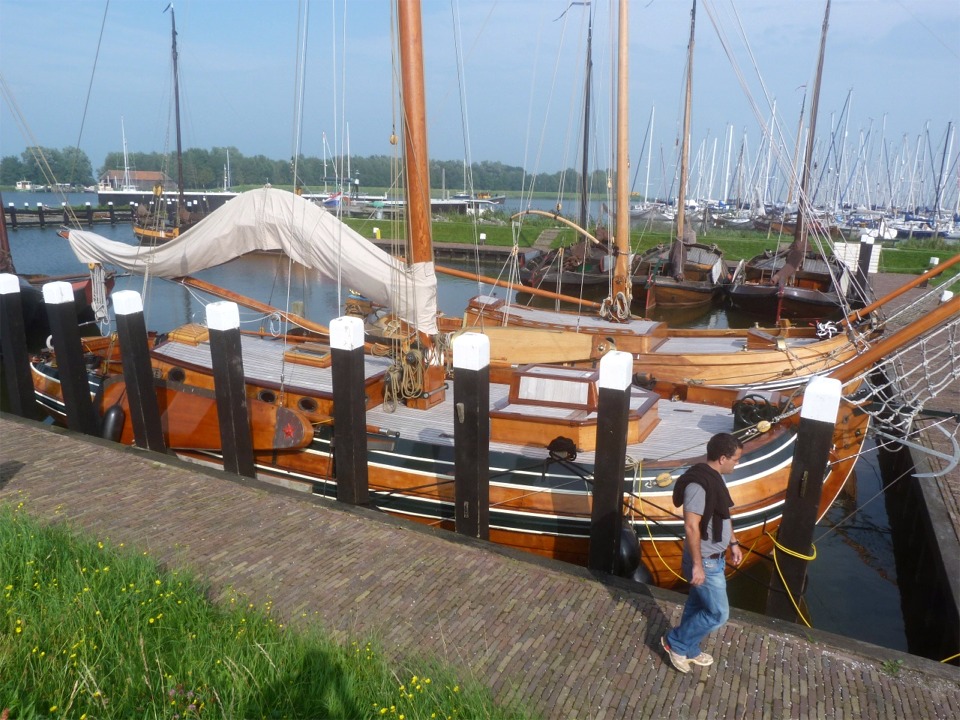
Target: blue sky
[520,74]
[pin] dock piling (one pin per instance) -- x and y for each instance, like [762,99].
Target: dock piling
[137,371]
[613,408]
[75,386]
[349,402]
[16,360]
[818,417]
[223,322]
[471,434]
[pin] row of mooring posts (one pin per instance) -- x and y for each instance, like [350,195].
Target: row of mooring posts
[471,361]
[46,215]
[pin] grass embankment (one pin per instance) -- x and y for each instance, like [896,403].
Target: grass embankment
[909,257]
[92,630]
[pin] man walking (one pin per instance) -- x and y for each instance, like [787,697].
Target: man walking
[709,532]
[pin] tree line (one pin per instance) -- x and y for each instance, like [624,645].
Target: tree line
[207,170]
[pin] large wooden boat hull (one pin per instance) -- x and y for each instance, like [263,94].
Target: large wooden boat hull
[656,286]
[545,509]
[789,302]
[188,415]
[817,290]
[540,502]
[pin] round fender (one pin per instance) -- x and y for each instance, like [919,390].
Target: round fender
[629,550]
[112,426]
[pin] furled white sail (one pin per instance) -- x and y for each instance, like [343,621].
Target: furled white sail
[271,219]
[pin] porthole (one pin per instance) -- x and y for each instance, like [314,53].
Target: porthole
[307,404]
[176,375]
[267,396]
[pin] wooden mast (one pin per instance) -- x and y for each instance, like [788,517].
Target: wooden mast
[414,112]
[685,138]
[585,158]
[181,204]
[417,169]
[803,198]
[621,273]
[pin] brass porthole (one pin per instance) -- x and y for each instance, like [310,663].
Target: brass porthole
[177,374]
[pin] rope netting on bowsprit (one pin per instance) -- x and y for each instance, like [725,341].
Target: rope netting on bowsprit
[899,390]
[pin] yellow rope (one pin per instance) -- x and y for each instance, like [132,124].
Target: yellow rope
[643,515]
[776,563]
[952,657]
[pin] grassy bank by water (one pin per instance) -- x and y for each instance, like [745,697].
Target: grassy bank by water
[909,257]
[91,629]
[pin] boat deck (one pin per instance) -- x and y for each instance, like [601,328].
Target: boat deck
[683,430]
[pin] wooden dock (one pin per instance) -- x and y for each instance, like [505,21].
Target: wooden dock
[569,643]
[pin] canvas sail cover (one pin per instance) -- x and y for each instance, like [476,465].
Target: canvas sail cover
[272,219]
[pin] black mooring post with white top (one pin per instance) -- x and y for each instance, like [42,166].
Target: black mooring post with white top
[349,410]
[16,359]
[137,371]
[74,383]
[613,410]
[471,434]
[818,418]
[223,322]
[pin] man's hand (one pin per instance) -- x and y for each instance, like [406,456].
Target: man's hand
[699,576]
[736,554]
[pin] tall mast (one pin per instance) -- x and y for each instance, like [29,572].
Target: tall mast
[803,201]
[415,131]
[585,160]
[685,139]
[621,273]
[176,106]
[796,148]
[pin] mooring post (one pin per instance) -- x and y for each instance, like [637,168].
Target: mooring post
[74,384]
[349,410]
[66,219]
[13,215]
[43,221]
[613,409]
[113,217]
[16,359]
[137,371]
[818,418]
[471,434]
[89,214]
[223,322]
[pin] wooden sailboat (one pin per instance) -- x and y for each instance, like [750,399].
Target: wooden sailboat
[583,268]
[801,282]
[688,274]
[544,439]
[152,227]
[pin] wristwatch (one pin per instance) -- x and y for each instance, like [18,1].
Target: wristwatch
[734,542]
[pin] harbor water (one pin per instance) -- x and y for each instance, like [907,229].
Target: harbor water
[852,586]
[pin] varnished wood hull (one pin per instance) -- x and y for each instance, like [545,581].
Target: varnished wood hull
[537,504]
[188,415]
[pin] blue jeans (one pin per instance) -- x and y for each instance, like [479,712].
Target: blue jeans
[707,607]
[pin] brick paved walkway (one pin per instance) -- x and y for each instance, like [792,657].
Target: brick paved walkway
[571,645]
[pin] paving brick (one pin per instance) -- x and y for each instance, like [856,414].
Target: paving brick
[572,644]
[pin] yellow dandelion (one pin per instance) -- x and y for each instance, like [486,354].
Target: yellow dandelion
[53,708]
[156,582]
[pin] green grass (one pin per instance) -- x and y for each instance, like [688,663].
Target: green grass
[908,257]
[92,630]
